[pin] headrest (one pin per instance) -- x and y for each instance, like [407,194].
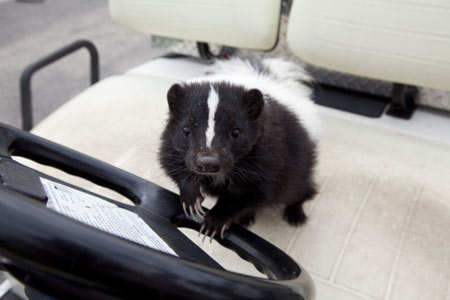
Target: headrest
[399,41]
[251,24]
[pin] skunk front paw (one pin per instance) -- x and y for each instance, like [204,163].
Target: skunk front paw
[191,201]
[193,208]
[215,224]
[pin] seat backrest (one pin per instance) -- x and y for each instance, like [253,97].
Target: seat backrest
[394,40]
[251,24]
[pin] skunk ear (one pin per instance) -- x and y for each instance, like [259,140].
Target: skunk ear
[254,103]
[174,97]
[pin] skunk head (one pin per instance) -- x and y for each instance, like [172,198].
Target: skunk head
[213,124]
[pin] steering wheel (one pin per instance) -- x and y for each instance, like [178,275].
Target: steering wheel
[66,259]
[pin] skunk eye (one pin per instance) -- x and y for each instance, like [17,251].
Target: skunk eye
[235,133]
[186,131]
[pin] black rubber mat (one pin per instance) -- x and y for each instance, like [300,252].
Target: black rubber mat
[350,101]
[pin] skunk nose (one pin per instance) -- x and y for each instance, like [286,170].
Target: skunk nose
[208,164]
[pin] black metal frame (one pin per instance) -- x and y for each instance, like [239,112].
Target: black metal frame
[68,260]
[25,78]
[205,52]
[403,101]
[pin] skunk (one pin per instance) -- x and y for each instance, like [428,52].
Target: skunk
[246,132]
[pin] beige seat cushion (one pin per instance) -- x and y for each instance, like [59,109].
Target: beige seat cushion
[109,118]
[237,23]
[400,41]
[378,229]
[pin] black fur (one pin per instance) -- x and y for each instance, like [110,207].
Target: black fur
[271,161]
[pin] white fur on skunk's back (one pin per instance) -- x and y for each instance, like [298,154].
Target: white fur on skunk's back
[275,77]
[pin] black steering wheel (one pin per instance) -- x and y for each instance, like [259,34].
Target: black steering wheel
[65,259]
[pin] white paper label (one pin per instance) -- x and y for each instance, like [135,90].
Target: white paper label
[102,215]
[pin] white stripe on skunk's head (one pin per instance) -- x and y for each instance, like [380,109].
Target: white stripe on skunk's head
[212,125]
[213,102]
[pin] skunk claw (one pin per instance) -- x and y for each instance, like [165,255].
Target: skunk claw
[185,209]
[222,231]
[198,205]
[201,229]
[198,211]
[204,236]
[191,210]
[212,236]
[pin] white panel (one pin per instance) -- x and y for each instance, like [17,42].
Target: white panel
[399,41]
[238,23]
